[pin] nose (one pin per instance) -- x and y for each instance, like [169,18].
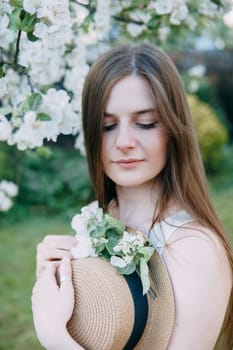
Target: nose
[125,138]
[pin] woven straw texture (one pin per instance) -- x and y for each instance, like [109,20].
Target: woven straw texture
[103,315]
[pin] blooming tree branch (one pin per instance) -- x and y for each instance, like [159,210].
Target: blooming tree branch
[44,55]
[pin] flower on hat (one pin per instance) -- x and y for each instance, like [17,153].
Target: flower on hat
[99,234]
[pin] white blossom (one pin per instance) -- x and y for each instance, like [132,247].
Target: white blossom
[5,128]
[135,29]
[197,71]
[162,7]
[102,18]
[56,12]
[179,14]
[5,202]
[191,22]
[83,248]
[9,187]
[208,8]
[163,33]
[6,35]
[31,6]
[3,87]
[117,261]
[79,225]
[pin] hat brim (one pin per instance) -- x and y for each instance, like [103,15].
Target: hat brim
[104,306]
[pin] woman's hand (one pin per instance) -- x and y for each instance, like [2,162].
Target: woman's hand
[52,306]
[52,249]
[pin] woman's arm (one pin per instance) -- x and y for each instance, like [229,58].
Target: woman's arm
[202,282]
[52,307]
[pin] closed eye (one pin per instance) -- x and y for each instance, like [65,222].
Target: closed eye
[147,125]
[109,127]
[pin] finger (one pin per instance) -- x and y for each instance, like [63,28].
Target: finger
[60,241]
[51,254]
[66,286]
[43,266]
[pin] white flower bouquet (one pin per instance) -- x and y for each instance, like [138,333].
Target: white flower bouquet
[99,234]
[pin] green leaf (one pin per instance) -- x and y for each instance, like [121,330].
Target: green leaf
[43,116]
[147,252]
[97,232]
[2,72]
[32,37]
[114,223]
[16,3]
[144,274]
[113,232]
[99,247]
[34,101]
[15,20]
[28,21]
[130,268]
[112,242]
[105,254]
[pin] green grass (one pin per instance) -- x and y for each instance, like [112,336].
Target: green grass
[19,237]
[17,266]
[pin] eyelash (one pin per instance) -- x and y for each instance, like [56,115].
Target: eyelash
[140,125]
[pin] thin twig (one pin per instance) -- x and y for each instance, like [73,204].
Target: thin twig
[17,47]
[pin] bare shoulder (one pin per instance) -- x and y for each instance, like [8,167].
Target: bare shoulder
[202,281]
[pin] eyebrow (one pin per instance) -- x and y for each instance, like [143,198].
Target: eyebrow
[143,111]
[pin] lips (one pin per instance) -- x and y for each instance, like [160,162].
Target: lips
[128,164]
[128,161]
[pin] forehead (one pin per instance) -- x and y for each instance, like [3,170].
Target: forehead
[130,93]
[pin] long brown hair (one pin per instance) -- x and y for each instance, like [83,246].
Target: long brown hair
[183,178]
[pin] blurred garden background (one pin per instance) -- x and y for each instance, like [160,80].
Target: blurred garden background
[46,49]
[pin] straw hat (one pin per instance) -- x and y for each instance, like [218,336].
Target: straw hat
[111,312]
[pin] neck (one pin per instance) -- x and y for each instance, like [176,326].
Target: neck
[136,206]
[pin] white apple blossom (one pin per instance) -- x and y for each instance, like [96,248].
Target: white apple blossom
[3,87]
[61,53]
[17,88]
[102,18]
[31,6]
[5,7]
[46,66]
[140,16]
[6,35]
[9,187]
[8,190]
[191,22]
[208,8]
[162,7]
[56,12]
[5,202]
[57,104]
[5,128]
[163,33]
[197,71]
[135,29]
[179,14]
[28,135]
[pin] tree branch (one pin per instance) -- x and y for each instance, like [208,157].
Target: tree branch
[17,47]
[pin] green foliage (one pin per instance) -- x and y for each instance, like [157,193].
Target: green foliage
[211,133]
[50,179]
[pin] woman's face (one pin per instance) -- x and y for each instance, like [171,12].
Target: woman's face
[134,141]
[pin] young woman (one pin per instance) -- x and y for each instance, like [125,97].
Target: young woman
[146,170]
